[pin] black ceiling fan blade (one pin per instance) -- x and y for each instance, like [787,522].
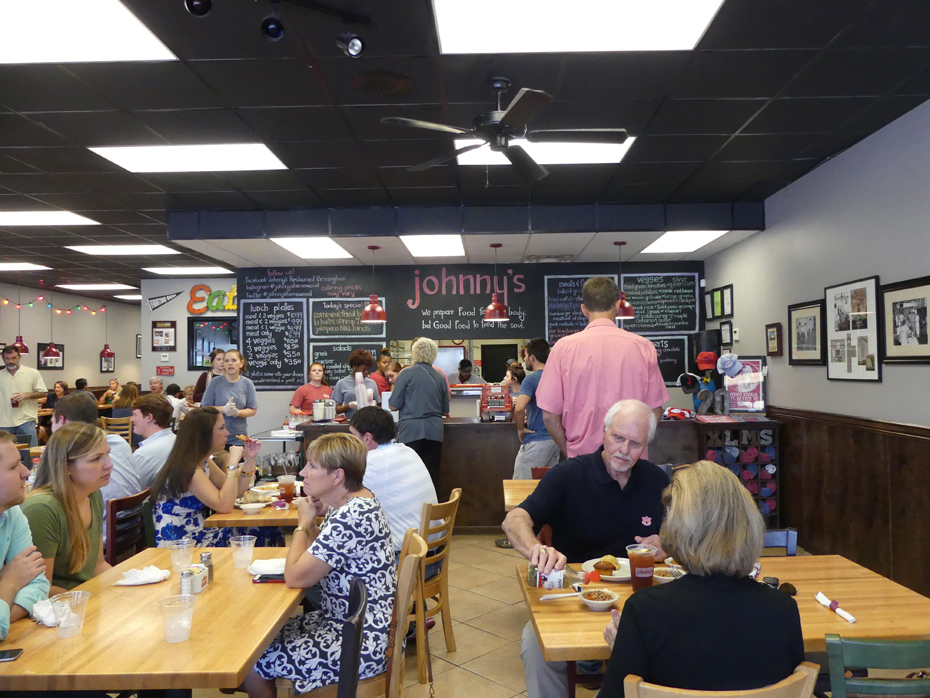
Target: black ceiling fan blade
[578,135]
[428,125]
[527,166]
[527,104]
[443,158]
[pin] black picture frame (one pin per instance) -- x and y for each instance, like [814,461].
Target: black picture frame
[855,332]
[726,333]
[138,346]
[807,334]
[773,339]
[906,305]
[726,295]
[164,335]
[45,365]
[708,305]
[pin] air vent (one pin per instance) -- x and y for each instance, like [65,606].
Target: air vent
[548,258]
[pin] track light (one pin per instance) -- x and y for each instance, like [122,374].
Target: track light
[350,44]
[273,28]
[199,8]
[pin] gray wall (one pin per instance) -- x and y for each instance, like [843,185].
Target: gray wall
[865,212]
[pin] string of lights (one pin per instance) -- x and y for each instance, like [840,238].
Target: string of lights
[40,301]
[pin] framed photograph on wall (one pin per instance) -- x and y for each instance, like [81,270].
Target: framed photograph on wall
[807,334]
[164,335]
[905,306]
[717,302]
[138,346]
[726,298]
[726,334]
[773,339]
[52,363]
[854,330]
[708,305]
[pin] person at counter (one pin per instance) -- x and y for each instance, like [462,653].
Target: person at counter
[596,504]
[513,380]
[537,449]
[379,375]
[421,394]
[464,375]
[360,361]
[216,360]
[317,389]
[234,395]
[391,374]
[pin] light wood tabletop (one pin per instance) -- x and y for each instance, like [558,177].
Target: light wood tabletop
[123,645]
[568,631]
[515,491]
[268,516]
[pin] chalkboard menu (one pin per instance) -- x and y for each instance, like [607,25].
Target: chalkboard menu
[272,337]
[335,358]
[662,302]
[673,356]
[341,317]
[563,306]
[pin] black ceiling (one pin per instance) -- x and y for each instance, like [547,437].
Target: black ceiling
[774,88]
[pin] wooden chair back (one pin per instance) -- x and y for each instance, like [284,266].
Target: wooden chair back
[538,473]
[121,426]
[350,653]
[799,685]
[545,533]
[786,538]
[850,653]
[125,534]
[444,514]
[148,521]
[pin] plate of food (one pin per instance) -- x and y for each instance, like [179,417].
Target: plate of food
[253,497]
[267,489]
[611,569]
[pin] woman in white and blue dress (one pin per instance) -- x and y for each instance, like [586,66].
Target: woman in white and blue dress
[191,483]
[353,541]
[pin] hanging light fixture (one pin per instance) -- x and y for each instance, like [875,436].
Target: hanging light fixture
[107,357]
[496,311]
[19,343]
[625,309]
[373,312]
[51,357]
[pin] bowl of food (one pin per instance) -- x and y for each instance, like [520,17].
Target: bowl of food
[252,508]
[663,575]
[599,599]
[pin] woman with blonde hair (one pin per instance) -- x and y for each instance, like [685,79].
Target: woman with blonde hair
[65,510]
[682,634]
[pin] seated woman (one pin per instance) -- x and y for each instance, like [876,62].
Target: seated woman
[191,482]
[122,405]
[317,389]
[683,634]
[58,391]
[354,541]
[111,394]
[65,510]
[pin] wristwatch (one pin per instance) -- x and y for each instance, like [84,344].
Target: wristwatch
[230,470]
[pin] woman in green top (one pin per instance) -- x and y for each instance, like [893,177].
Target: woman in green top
[65,510]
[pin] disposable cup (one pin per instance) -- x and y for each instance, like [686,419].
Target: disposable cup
[182,553]
[242,549]
[642,564]
[177,613]
[286,487]
[69,609]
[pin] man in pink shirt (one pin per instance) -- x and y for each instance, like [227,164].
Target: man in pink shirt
[589,371]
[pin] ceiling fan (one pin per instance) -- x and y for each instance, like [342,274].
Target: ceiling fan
[498,128]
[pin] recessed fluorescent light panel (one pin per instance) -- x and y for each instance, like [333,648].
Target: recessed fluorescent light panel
[683,241]
[130,298]
[106,250]
[186,271]
[38,218]
[313,247]
[434,245]
[95,287]
[21,266]
[547,153]
[530,26]
[76,31]
[229,157]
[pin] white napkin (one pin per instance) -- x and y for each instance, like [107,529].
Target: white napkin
[42,613]
[833,606]
[147,575]
[267,566]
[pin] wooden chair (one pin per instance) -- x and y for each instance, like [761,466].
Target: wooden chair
[436,588]
[786,538]
[148,521]
[798,685]
[391,682]
[121,426]
[545,533]
[851,654]
[126,533]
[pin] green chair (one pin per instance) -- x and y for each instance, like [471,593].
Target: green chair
[844,654]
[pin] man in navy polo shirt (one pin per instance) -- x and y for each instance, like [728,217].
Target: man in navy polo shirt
[596,504]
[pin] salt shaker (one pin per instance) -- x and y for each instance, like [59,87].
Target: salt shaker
[206,559]
[186,582]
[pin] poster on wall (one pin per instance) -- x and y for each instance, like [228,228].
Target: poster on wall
[164,335]
[854,330]
[747,388]
[906,304]
[51,363]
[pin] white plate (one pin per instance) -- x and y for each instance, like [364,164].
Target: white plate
[264,504]
[621,575]
[266,489]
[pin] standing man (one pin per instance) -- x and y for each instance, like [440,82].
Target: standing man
[151,419]
[20,390]
[464,375]
[22,568]
[537,449]
[156,386]
[592,369]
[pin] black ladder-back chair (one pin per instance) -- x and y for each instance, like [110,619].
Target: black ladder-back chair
[349,657]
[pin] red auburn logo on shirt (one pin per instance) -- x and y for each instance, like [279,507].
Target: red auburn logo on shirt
[647,521]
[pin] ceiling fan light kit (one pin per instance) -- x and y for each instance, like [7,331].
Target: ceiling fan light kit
[625,308]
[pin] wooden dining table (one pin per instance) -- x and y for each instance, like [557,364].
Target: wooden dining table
[568,631]
[515,491]
[123,644]
[268,516]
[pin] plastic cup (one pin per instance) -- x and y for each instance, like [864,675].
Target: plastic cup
[242,549]
[286,487]
[642,564]
[182,553]
[69,609]
[177,613]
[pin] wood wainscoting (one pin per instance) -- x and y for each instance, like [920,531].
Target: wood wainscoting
[859,488]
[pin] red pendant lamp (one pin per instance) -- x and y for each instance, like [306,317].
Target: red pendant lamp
[51,356]
[19,343]
[625,309]
[373,312]
[496,311]
[107,357]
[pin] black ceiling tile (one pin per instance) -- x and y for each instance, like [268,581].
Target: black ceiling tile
[20,202]
[218,200]
[493,176]
[760,191]
[320,154]
[38,184]
[20,131]
[106,182]
[846,72]
[399,177]
[94,129]
[353,198]
[365,122]
[148,85]
[116,217]
[197,126]
[78,201]
[466,78]
[45,87]
[264,83]
[880,113]
[263,180]
[285,199]
[766,147]
[738,74]
[177,182]
[794,169]
[742,173]
[496,196]
[620,76]
[918,84]
[654,173]
[426,196]
[378,80]
[30,233]
[71,160]
[340,178]
[151,203]
[406,153]
[10,165]
[703,116]
[806,115]
[296,123]
[764,24]
[631,115]
[901,23]
[707,191]
[673,148]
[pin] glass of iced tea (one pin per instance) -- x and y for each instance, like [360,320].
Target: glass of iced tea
[642,563]
[286,487]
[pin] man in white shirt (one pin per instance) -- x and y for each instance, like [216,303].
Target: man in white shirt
[20,390]
[151,419]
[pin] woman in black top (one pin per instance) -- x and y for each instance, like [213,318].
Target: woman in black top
[714,629]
